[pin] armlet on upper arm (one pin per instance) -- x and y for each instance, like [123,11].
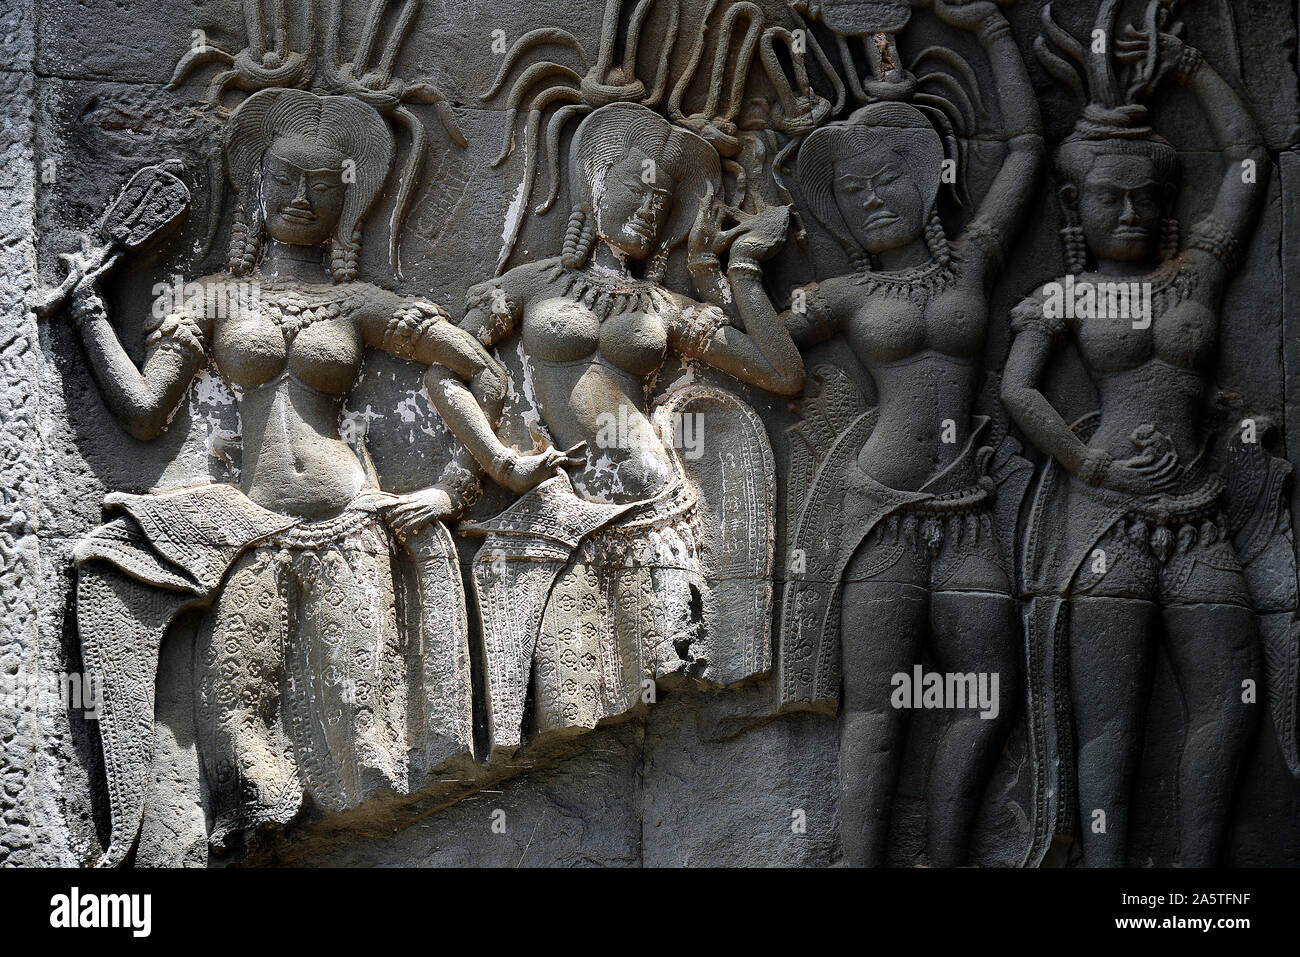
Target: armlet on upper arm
[179,332]
[410,323]
[814,311]
[1211,236]
[1032,314]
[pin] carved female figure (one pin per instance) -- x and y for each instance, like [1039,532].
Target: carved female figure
[588,590]
[897,521]
[1129,523]
[301,664]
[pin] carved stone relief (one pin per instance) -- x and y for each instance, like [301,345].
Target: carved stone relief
[883,404]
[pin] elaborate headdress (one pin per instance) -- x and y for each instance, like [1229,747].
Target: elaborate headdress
[272,61]
[607,136]
[707,97]
[1114,121]
[905,130]
[341,125]
[921,111]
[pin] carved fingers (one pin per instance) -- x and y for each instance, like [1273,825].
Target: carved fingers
[1152,53]
[412,512]
[80,285]
[760,235]
[1156,468]
[522,471]
[706,239]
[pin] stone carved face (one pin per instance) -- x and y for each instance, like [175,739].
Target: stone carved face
[1121,206]
[302,192]
[878,196]
[873,180]
[633,205]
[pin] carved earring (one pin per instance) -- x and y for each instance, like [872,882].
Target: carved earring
[344,256]
[937,239]
[1072,237]
[1076,248]
[579,237]
[1170,239]
[245,242]
[657,268]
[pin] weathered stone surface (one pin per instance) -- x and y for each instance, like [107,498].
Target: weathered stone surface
[653,658]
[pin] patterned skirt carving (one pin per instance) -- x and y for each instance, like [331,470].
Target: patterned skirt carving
[302,675]
[582,602]
[621,614]
[331,663]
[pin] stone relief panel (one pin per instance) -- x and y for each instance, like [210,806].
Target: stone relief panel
[898,527]
[882,404]
[1147,538]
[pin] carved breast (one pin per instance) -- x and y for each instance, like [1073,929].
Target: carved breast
[634,341]
[561,330]
[893,329]
[322,349]
[250,351]
[1184,337]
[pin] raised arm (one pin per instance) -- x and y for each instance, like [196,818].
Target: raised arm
[143,399]
[1224,233]
[763,354]
[1000,213]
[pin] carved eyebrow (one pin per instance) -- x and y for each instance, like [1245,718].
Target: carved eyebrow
[631,177]
[1103,181]
[309,172]
[865,178]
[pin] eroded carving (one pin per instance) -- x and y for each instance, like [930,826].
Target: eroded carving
[1129,522]
[892,519]
[302,660]
[591,587]
[631,548]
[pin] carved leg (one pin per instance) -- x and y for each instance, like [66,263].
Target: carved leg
[969,632]
[880,635]
[1110,656]
[1214,649]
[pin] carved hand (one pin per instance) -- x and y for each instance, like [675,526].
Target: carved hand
[85,268]
[85,290]
[412,512]
[707,238]
[762,234]
[1154,63]
[965,14]
[521,471]
[1153,470]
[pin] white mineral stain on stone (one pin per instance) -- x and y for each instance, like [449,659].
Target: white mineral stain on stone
[531,417]
[514,213]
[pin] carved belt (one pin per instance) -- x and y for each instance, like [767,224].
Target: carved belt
[1171,510]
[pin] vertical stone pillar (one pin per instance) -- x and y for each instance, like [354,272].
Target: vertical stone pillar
[19,437]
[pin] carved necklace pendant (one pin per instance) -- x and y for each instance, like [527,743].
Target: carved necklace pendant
[293,312]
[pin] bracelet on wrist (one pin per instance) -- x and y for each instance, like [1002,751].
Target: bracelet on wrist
[991,30]
[501,461]
[87,307]
[703,264]
[1189,64]
[463,490]
[746,266]
[1094,466]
